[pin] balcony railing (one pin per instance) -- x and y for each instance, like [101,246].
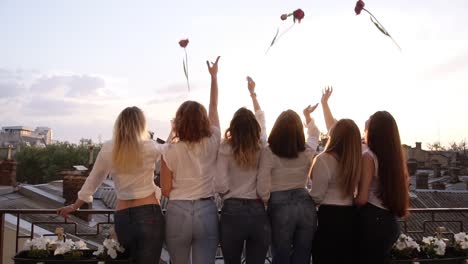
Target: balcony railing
[421,222]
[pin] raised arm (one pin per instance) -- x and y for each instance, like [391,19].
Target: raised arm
[330,121]
[312,130]
[253,95]
[259,114]
[213,109]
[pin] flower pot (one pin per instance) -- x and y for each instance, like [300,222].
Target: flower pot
[449,260]
[87,258]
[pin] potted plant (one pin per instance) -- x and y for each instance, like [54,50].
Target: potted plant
[433,249]
[111,252]
[44,250]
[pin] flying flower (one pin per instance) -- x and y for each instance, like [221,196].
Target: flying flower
[183,44]
[297,14]
[360,7]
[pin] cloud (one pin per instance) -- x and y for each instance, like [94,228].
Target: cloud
[174,92]
[72,86]
[10,89]
[53,107]
[455,64]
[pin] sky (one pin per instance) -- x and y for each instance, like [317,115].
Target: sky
[74,65]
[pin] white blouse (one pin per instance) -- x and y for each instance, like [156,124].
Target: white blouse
[193,167]
[240,182]
[128,186]
[286,173]
[325,188]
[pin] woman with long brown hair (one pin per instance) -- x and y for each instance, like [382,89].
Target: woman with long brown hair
[129,158]
[335,174]
[187,175]
[383,194]
[383,191]
[244,191]
[286,161]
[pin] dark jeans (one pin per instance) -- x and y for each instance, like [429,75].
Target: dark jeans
[336,229]
[293,223]
[378,230]
[244,220]
[140,230]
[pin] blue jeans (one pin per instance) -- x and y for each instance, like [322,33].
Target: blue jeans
[140,230]
[192,226]
[244,220]
[293,223]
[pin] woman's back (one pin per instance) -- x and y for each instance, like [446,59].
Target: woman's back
[193,166]
[135,184]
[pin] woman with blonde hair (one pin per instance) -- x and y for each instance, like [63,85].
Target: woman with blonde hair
[188,169]
[129,158]
[335,174]
[286,161]
[244,191]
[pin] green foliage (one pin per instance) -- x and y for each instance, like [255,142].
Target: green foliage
[42,164]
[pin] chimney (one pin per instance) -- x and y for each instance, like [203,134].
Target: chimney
[72,183]
[418,145]
[8,170]
[422,180]
[438,186]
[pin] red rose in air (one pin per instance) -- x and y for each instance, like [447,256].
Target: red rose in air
[284,17]
[183,43]
[359,7]
[298,14]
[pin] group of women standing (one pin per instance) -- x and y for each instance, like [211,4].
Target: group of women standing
[348,215]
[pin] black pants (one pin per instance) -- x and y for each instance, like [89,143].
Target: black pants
[244,220]
[378,230]
[333,242]
[140,230]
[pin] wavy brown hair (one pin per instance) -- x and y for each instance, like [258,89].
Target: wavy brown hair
[191,123]
[129,131]
[287,138]
[345,142]
[243,135]
[383,138]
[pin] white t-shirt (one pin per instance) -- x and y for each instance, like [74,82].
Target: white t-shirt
[286,173]
[128,186]
[193,167]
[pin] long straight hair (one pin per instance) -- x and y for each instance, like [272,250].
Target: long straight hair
[129,131]
[243,135]
[287,138]
[345,142]
[383,138]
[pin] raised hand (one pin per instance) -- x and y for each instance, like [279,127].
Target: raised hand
[213,69]
[326,93]
[307,111]
[250,85]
